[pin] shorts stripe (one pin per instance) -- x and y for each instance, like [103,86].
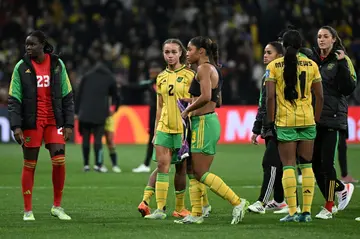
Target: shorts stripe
[201,132]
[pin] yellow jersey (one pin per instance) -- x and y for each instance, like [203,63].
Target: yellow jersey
[173,85]
[301,114]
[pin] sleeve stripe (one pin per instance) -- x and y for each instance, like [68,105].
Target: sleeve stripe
[317,80]
[270,79]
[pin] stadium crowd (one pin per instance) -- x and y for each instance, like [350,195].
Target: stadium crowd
[128,34]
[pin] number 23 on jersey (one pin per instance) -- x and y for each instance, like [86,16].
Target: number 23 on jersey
[43,81]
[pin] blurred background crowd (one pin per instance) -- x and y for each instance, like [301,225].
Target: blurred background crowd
[127,35]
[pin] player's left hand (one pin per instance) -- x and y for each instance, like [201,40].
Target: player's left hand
[340,54]
[67,133]
[184,114]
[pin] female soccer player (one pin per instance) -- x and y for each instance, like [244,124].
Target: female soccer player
[272,167]
[41,108]
[205,129]
[171,84]
[294,77]
[339,81]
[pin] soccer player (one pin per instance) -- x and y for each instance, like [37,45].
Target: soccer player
[109,137]
[41,107]
[339,81]
[272,168]
[293,77]
[171,84]
[205,127]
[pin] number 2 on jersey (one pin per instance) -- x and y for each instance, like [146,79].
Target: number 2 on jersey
[171,90]
[302,78]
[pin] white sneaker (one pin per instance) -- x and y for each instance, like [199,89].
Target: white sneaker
[102,169]
[206,210]
[239,211]
[141,169]
[28,216]
[257,207]
[299,179]
[357,219]
[324,214]
[59,213]
[344,196]
[190,220]
[273,205]
[285,210]
[86,168]
[116,169]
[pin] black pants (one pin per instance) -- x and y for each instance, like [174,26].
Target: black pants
[273,172]
[342,152]
[97,130]
[325,146]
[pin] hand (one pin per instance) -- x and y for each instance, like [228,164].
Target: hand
[340,54]
[19,136]
[67,132]
[254,139]
[184,114]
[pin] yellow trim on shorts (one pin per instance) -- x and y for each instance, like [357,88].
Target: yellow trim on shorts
[201,131]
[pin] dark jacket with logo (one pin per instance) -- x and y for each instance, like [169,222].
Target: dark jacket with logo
[22,103]
[339,81]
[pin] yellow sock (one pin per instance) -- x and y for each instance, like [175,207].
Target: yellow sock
[179,200]
[289,185]
[148,192]
[308,186]
[205,200]
[161,190]
[195,197]
[218,186]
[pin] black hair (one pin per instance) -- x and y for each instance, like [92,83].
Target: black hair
[292,42]
[48,48]
[211,47]
[181,46]
[278,47]
[338,43]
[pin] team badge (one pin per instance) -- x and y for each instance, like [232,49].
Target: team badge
[179,79]
[27,140]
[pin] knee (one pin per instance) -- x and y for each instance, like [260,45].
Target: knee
[198,174]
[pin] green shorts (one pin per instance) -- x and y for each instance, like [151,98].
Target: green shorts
[171,141]
[296,133]
[205,133]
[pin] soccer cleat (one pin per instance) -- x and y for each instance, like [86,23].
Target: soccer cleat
[289,218]
[239,211]
[101,169]
[206,210]
[116,169]
[357,219]
[86,168]
[324,214]
[344,196]
[144,209]
[334,210]
[28,216]
[285,210]
[305,217]
[183,213]
[273,205]
[257,207]
[189,219]
[157,214]
[141,169]
[59,213]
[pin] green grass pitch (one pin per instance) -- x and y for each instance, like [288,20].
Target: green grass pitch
[105,205]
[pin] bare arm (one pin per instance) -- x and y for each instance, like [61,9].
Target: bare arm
[203,75]
[270,100]
[158,111]
[319,99]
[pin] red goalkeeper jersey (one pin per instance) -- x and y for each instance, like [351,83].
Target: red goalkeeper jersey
[44,104]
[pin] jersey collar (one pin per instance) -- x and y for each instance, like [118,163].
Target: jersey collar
[177,70]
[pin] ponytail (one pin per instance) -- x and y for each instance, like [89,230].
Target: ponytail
[290,74]
[214,52]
